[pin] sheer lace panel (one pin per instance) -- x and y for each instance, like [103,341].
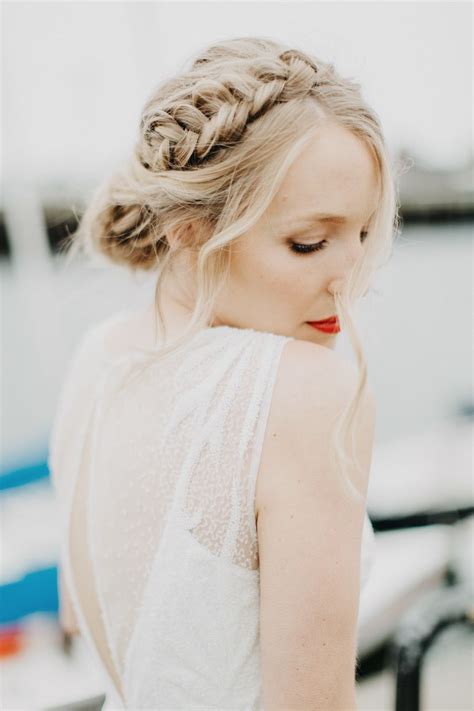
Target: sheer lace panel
[180,437]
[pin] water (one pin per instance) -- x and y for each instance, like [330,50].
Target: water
[417,330]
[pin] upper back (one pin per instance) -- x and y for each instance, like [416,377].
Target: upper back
[164,468]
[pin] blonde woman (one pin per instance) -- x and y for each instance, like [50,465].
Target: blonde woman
[211,452]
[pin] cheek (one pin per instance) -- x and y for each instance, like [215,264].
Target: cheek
[275,273]
[254,269]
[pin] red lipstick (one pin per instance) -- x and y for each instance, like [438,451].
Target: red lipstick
[328,325]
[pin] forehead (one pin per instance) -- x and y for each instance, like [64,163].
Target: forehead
[335,173]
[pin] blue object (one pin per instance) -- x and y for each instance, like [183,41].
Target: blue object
[37,591]
[24,475]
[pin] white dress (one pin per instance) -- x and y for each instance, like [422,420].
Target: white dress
[155,482]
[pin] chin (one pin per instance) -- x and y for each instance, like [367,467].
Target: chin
[328,340]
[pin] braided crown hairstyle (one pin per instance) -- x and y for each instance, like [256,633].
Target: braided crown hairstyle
[198,125]
[214,145]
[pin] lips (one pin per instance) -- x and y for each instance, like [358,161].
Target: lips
[329,325]
[330,320]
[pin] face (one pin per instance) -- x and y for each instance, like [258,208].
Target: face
[286,269]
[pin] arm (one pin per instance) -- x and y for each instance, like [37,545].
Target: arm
[310,531]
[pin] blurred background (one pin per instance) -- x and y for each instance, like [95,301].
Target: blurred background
[75,77]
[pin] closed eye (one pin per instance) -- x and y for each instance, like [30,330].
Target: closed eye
[305,248]
[299,248]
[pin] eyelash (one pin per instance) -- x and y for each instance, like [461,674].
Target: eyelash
[308,248]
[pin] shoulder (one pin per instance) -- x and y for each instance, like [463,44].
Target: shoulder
[312,374]
[313,385]
[313,381]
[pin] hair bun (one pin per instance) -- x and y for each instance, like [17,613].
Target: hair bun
[127,235]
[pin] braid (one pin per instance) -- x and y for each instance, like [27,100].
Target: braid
[201,122]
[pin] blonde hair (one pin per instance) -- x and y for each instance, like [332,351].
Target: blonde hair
[214,146]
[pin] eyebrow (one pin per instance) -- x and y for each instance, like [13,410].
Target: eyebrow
[315,217]
[321,217]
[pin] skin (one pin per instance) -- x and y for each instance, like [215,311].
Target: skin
[271,288]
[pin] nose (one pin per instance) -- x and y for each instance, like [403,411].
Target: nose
[350,252]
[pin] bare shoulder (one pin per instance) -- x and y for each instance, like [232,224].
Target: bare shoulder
[329,372]
[312,385]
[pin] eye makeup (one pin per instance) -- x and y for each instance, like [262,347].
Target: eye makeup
[299,248]
[306,248]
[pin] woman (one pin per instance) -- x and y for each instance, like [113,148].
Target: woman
[211,452]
